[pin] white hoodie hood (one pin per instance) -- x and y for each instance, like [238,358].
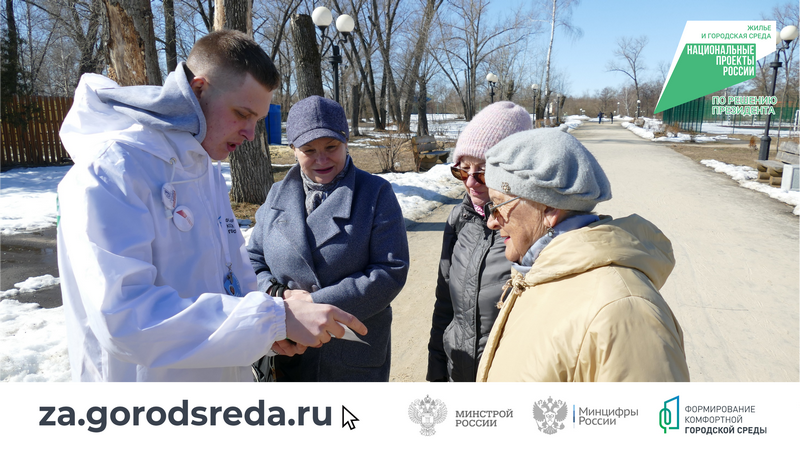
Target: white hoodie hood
[103,111]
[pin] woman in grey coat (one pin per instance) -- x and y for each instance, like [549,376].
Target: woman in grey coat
[332,233]
[473,266]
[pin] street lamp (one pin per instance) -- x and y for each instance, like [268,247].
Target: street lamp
[618,110]
[787,35]
[492,79]
[535,88]
[638,104]
[322,18]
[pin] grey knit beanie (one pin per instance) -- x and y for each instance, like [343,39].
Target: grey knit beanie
[491,125]
[547,166]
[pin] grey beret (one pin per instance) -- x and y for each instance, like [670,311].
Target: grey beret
[316,117]
[547,166]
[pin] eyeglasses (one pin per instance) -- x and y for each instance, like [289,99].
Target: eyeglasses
[491,208]
[462,175]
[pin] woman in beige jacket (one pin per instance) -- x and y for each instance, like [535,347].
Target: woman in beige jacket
[583,301]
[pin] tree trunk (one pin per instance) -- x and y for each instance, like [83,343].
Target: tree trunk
[384,37]
[382,101]
[547,92]
[251,168]
[307,58]
[11,66]
[422,109]
[364,67]
[234,15]
[419,50]
[91,54]
[356,103]
[131,45]
[171,47]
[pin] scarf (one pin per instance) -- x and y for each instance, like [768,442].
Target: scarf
[568,224]
[316,193]
[478,209]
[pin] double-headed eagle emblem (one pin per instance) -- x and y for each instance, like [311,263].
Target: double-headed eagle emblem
[549,414]
[427,412]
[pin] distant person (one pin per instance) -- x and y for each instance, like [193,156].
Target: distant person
[582,303]
[472,268]
[155,278]
[600,117]
[333,234]
[612,118]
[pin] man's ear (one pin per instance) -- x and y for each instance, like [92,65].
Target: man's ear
[199,86]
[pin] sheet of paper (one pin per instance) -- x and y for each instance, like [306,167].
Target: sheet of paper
[350,335]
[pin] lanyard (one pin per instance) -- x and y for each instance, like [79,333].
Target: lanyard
[230,283]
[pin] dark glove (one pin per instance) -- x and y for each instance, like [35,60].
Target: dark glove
[276,289]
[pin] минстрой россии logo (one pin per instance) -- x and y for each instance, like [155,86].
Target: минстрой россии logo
[427,412]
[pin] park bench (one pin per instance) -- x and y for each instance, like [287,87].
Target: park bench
[772,171]
[427,152]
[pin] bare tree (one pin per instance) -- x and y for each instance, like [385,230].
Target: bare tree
[412,76]
[131,43]
[273,21]
[366,47]
[465,42]
[629,59]
[81,22]
[11,68]
[251,168]
[506,63]
[605,96]
[207,13]
[383,18]
[560,17]
[12,71]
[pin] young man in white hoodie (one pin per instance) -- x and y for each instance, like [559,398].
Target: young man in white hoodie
[156,281]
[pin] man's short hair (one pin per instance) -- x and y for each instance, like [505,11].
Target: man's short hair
[233,51]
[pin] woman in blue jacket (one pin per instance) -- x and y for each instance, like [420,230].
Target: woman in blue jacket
[332,233]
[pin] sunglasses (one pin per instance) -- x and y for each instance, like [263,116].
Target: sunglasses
[491,208]
[462,175]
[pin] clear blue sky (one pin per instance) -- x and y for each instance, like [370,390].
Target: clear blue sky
[662,22]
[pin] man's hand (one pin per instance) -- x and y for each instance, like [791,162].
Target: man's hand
[308,324]
[297,294]
[286,347]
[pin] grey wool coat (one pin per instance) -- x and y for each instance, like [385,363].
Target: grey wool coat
[350,252]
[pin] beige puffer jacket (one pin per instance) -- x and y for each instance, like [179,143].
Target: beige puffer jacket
[590,310]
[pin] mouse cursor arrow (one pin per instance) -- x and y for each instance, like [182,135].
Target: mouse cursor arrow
[348,418]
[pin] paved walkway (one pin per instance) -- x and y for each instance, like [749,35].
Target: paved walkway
[735,285]
[735,288]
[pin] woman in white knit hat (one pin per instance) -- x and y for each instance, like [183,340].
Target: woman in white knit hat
[583,301]
[472,269]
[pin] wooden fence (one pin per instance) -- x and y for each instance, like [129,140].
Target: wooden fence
[37,142]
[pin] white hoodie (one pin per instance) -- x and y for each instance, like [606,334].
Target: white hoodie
[144,300]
